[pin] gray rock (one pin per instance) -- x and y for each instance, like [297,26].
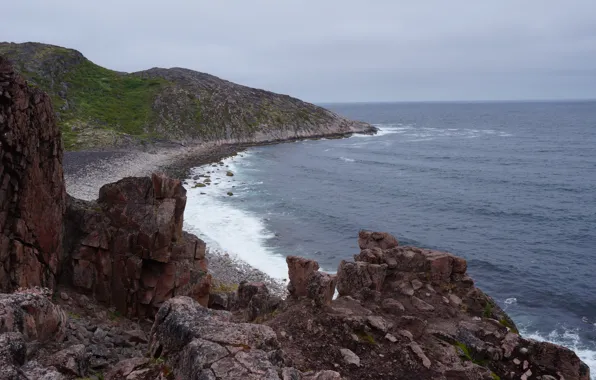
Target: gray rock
[99,334]
[421,305]
[72,361]
[350,357]
[137,336]
[417,284]
[416,349]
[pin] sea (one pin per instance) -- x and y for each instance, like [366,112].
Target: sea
[511,187]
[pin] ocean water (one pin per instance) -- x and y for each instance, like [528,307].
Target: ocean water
[511,187]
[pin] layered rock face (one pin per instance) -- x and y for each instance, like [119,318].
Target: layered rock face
[128,248]
[31,185]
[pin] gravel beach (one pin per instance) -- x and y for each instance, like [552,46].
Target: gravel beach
[86,172]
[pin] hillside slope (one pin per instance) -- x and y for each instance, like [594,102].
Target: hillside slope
[101,108]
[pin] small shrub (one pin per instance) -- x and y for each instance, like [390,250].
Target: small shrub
[365,337]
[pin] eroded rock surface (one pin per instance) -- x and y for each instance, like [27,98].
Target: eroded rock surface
[199,343]
[128,248]
[31,185]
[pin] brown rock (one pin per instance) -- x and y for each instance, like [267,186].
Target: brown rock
[32,193]
[561,360]
[393,306]
[321,287]
[352,277]
[128,248]
[299,272]
[372,255]
[382,240]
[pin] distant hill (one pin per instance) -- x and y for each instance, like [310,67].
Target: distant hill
[99,108]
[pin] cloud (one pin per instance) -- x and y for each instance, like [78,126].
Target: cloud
[379,50]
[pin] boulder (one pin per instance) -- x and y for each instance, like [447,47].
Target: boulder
[31,313]
[72,361]
[551,359]
[299,272]
[128,248]
[197,341]
[32,192]
[255,300]
[382,240]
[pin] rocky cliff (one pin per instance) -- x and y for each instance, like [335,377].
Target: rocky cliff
[31,185]
[97,107]
[125,295]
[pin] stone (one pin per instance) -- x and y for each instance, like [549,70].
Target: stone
[455,299]
[299,272]
[31,185]
[406,289]
[417,284]
[198,338]
[323,375]
[406,334]
[321,288]
[352,277]
[72,361]
[416,349]
[136,336]
[13,353]
[99,334]
[509,344]
[32,313]
[383,240]
[229,174]
[350,357]
[378,323]
[421,305]
[391,338]
[392,306]
[64,296]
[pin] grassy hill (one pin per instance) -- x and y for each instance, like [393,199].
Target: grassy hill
[100,108]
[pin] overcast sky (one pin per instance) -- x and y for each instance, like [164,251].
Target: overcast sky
[336,50]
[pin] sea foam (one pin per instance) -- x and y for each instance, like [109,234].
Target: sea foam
[213,216]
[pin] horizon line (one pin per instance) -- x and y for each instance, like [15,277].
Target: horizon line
[579,100]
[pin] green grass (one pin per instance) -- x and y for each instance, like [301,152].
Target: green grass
[113,100]
[488,310]
[506,323]
[365,337]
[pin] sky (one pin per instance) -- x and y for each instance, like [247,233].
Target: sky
[336,51]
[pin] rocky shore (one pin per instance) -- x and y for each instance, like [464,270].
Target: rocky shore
[113,288]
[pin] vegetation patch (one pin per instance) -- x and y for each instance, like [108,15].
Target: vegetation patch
[111,99]
[365,337]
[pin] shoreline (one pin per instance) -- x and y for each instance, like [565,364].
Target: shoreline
[85,172]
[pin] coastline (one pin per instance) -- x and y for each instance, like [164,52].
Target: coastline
[85,172]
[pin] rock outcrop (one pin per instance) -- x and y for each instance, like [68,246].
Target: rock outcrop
[411,313]
[31,313]
[199,343]
[128,248]
[32,194]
